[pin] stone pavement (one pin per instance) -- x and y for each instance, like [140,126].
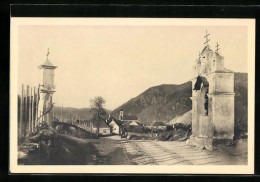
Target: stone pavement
[148,152]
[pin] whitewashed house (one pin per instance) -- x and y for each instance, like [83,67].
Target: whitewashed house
[92,126]
[115,125]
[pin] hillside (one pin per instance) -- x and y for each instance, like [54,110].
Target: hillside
[159,103]
[171,103]
[186,118]
[241,102]
[70,112]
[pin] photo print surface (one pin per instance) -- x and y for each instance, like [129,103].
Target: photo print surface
[128,95]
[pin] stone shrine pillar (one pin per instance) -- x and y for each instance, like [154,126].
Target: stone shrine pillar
[212,101]
[46,90]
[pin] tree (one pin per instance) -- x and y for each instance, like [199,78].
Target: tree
[98,106]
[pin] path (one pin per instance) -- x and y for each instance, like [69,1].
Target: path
[112,150]
[150,152]
[168,153]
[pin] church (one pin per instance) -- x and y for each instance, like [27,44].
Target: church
[212,100]
[128,119]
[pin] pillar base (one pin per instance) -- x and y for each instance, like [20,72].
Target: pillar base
[201,142]
[222,141]
[208,143]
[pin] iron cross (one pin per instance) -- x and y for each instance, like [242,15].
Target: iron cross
[48,53]
[217,47]
[206,37]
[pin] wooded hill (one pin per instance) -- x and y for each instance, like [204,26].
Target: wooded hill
[70,112]
[159,103]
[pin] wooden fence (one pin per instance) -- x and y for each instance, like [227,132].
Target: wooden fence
[27,112]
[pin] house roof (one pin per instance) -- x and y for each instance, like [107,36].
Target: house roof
[95,123]
[128,117]
[110,119]
[47,64]
[206,48]
[131,122]
[101,123]
[224,71]
[119,123]
[159,123]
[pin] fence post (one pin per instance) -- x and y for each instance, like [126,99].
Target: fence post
[25,112]
[29,108]
[18,117]
[21,114]
[36,106]
[32,109]
[24,117]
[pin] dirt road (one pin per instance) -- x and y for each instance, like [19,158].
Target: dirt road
[112,150]
[149,152]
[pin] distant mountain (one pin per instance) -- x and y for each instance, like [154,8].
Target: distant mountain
[172,104]
[70,113]
[159,103]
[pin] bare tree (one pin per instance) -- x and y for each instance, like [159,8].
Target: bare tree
[98,104]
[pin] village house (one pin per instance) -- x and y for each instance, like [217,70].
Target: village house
[130,122]
[93,125]
[115,125]
[159,125]
[128,118]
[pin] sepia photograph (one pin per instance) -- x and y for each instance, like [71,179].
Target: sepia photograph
[132,95]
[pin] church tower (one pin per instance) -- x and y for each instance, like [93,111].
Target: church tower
[212,99]
[46,90]
[121,114]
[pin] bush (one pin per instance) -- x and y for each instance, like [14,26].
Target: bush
[70,129]
[135,129]
[135,137]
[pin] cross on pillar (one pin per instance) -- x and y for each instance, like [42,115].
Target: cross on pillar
[217,46]
[206,37]
[48,53]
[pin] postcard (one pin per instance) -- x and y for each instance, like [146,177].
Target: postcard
[132,95]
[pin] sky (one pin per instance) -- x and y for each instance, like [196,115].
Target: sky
[120,62]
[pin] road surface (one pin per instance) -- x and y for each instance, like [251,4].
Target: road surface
[112,150]
[150,152]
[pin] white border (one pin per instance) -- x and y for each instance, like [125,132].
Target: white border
[169,169]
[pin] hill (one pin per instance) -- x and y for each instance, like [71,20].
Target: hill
[69,113]
[186,118]
[172,104]
[241,103]
[159,103]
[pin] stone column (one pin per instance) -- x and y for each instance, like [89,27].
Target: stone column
[195,121]
[224,116]
[41,108]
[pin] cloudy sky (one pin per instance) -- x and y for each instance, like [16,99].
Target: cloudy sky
[120,62]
